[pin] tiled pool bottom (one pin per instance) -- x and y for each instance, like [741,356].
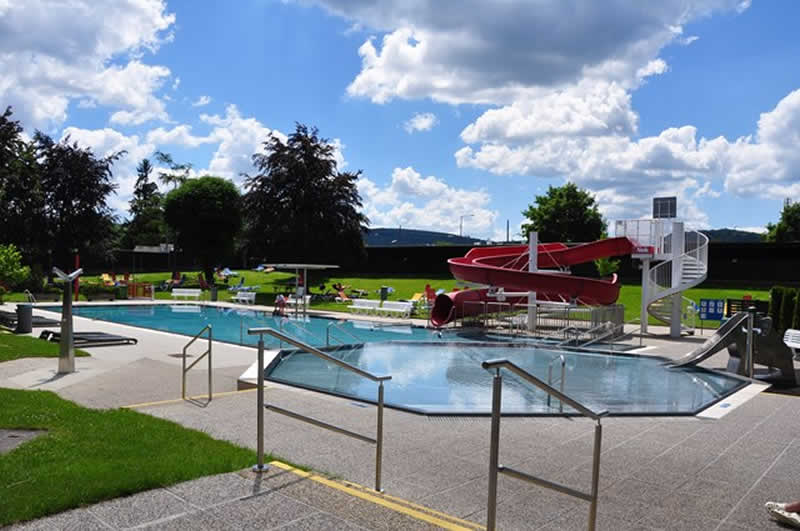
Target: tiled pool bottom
[447,378]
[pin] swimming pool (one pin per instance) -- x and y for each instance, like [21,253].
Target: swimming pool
[231,324]
[447,378]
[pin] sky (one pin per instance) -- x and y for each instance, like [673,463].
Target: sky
[456,113]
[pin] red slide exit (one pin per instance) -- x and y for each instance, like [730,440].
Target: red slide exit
[507,267]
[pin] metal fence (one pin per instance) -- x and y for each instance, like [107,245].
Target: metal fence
[558,320]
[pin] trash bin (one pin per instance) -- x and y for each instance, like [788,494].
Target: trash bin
[384,293]
[24,318]
[213,293]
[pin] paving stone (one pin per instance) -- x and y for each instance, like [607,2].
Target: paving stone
[75,520]
[751,513]
[261,511]
[140,508]
[213,490]
[320,521]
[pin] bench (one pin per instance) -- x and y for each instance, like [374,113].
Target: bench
[401,308]
[293,301]
[186,293]
[792,340]
[365,306]
[245,297]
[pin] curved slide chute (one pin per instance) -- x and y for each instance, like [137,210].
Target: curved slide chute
[724,336]
[507,267]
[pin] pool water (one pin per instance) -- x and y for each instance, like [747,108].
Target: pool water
[447,378]
[231,324]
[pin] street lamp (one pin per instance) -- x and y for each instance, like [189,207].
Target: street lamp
[461,223]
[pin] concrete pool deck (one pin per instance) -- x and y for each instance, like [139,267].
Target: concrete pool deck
[656,472]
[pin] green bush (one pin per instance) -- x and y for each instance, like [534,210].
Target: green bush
[796,315]
[775,301]
[787,309]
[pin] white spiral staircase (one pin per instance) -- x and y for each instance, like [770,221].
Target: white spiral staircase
[653,239]
[693,270]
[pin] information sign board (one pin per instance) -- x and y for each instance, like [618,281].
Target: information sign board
[712,309]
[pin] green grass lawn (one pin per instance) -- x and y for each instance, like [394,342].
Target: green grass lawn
[13,347]
[90,455]
[631,297]
[405,286]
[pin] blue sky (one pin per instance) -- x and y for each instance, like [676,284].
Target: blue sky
[450,112]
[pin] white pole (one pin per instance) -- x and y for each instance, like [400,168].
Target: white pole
[533,266]
[645,282]
[678,245]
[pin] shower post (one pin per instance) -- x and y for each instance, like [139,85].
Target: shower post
[260,466]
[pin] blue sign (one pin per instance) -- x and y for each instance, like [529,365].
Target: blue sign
[712,309]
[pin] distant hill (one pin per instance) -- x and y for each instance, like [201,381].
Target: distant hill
[732,235]
[377,237]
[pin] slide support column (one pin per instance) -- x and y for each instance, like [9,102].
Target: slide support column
[533,266]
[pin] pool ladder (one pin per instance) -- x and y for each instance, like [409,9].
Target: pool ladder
[563,361]
[494,445]
[338,326]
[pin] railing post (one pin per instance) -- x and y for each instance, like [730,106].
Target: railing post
[750,323]
[494,451]
[379,440]
[598,437]
[183,377]
[210,394]
[260,466]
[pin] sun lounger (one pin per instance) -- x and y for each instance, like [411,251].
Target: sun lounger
[791,338]
[9,320]
[90,339]
[246,297]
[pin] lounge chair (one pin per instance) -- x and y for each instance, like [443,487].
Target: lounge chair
[228,273]
[9,320]
[202,280]
[342,297]
[237,287]
[90,339]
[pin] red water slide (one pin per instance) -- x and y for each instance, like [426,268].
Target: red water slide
[507,268]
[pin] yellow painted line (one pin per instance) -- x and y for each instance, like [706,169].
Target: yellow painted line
[428,515]
[466,523]
[178,400]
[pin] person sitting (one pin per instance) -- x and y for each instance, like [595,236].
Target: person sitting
[785,513]
[280,305]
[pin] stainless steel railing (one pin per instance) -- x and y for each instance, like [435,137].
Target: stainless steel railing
[195,362]
[563,361]
[494,448]
[377,441]
[338,326]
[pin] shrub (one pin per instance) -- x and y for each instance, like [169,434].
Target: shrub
[775,301]
[787,309]
[12,272]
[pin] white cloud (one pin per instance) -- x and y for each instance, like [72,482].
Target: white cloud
[479,52]
[176,83]
[413,201]
[420,122]
[179,135]
[54,52]
[104,142]
[201,101]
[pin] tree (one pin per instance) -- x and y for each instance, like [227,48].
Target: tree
[299,206]
[21,193]
[146,226]
[177,174]
[788,227]
[75,185]
[205,214]
[565,214]
[12,272]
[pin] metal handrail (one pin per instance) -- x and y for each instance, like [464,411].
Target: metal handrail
[377,441]
[338,326]
[525,375]
[494,444]
[563,377]
[206,353]
[297,326]
[30,296]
